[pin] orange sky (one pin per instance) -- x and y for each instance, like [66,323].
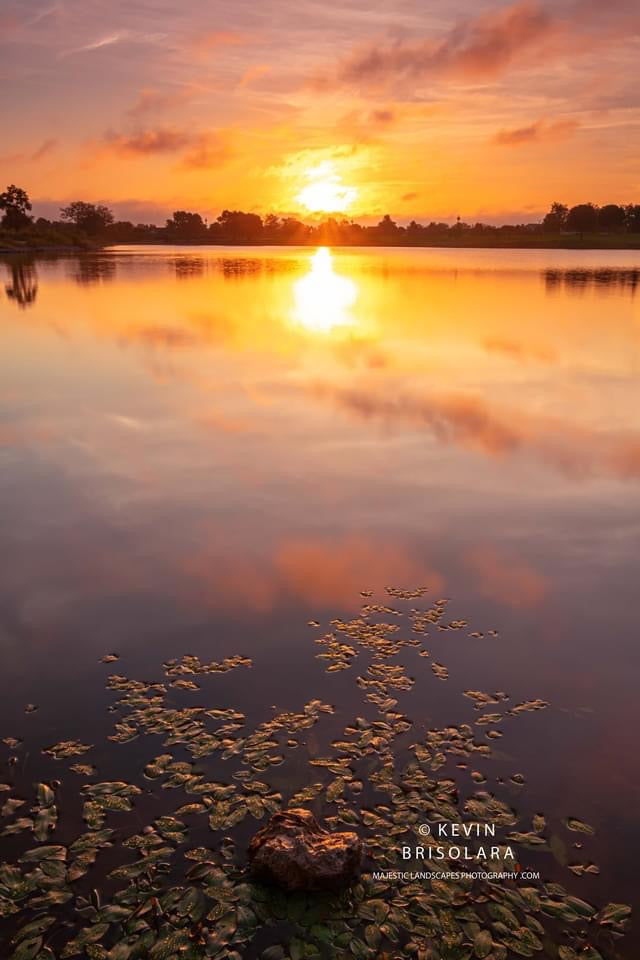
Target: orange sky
[489,110]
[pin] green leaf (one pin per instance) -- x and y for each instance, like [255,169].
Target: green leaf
[89,935]
[482,944]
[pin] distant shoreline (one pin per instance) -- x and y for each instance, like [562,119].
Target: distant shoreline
[588,242]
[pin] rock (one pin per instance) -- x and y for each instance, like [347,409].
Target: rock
[296,853]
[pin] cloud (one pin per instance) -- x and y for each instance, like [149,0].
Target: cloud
[99,44]
[366,127]
[477,48]
[382,116]
[200,149]
[159,140]
[205,43]
[31,157]
[540,131]
[152,101]
[254,73]
[112,39]
[128,208]
[207,150]
[45,147]
[220,422]
[483,47]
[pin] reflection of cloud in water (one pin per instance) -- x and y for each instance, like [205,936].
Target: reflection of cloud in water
[520,352]
[505,579]
[321,571]
[169,338]
[467,421]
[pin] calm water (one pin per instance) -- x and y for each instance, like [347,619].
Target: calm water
[204,448]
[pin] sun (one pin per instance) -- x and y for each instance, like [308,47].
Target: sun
[325,192]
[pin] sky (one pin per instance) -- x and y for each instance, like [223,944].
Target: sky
[486,109]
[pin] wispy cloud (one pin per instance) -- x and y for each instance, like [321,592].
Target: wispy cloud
[112,39]
[151,101]
[45,148]
[208,150]
[107,41]
[540,130]
[26,156]
[41,15]
[254,73]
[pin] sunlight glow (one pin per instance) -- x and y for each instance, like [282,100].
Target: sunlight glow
[325,192]
[323,299]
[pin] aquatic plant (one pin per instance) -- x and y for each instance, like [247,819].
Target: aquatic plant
[150,876]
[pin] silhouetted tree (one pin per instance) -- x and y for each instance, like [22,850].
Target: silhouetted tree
[271,228]
[415,232]
[15,203]
[91,217]
[632,217]
[329,231]
[186,227]
[294,231]
[556,219]
[238,227]
[611,217]
[387,230]
[582,218]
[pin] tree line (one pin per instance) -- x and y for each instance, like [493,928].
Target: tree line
[97,223]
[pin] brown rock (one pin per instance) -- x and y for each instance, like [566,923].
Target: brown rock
[296,853]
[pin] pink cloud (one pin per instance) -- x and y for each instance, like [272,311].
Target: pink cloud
[199,149]
[152,101]
[476,48]
[205,43]
[482,47]
[158,140]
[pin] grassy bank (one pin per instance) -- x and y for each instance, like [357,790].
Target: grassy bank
[62,238]
[472,239]
[36,239]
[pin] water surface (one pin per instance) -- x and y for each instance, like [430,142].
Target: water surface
[204,448]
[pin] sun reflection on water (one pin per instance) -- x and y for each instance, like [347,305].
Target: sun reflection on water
[322,298]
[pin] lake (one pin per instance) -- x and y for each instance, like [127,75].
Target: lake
[205,448]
